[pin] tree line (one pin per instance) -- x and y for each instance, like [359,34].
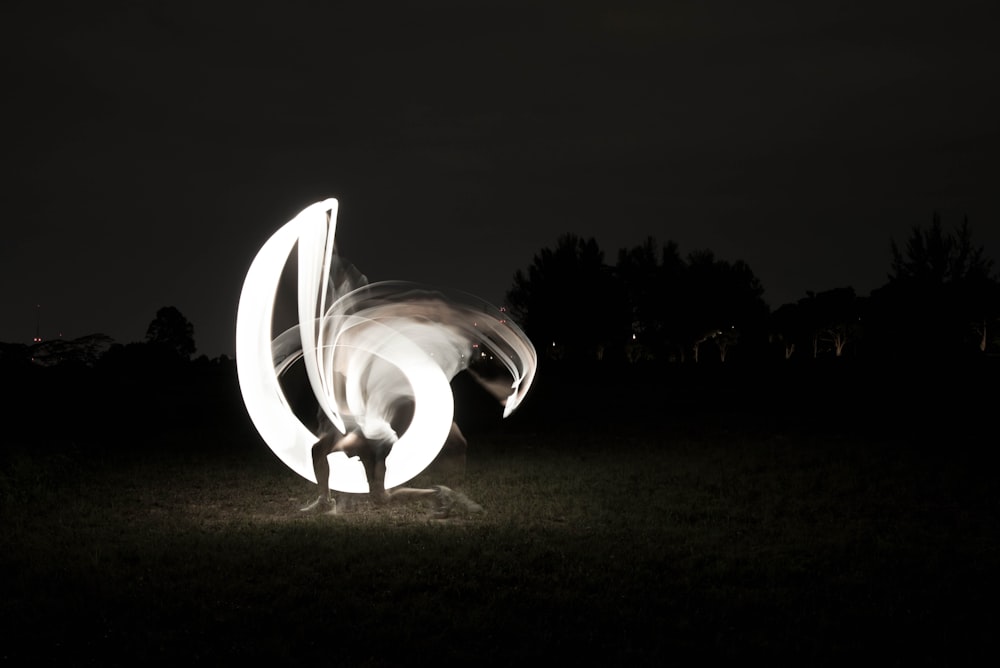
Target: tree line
[653,305]
[94,390]
[941,300]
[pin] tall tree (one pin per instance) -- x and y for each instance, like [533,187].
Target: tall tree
[789,328]
[171,331]
[941,294]
[832,320]
[719,298]
[651,275]
[934,258]
[569,302]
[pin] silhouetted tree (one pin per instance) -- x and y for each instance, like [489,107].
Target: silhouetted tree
[941,296]
[933,258]
[652,305]
[838,318]
[651,277]
[789,328]
[719,298]
[172,331]
[828,321]
[569,302]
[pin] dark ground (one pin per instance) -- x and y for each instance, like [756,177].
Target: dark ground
[797,514]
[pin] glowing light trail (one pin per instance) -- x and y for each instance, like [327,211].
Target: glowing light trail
[365,348]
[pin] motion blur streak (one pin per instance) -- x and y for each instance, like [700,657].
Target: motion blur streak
[367,349]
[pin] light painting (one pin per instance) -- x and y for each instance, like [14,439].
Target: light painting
[364,347]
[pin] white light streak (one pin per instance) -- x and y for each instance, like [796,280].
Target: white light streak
[365,348]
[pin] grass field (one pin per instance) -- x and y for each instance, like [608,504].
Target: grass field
[695,537]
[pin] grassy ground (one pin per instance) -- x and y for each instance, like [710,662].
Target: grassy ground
[713,540]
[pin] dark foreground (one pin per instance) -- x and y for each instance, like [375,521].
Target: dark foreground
[719,534]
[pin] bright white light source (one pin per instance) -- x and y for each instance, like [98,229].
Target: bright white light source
[365,348]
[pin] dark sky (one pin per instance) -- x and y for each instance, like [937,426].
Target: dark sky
[151,148]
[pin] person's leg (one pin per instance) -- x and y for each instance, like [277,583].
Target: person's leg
[447,501]
[321,468]
[375,466]
[321,465]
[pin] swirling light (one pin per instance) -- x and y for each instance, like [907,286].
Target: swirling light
[365,348]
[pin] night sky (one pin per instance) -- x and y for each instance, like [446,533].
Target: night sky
[151,148]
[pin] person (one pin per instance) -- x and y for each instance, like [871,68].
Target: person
[372,450]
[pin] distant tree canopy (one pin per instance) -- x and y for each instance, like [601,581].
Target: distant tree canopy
[933,258]
[652,275]
[172,331]
[819,324]
[941,298]
[651,305]
[569,301]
